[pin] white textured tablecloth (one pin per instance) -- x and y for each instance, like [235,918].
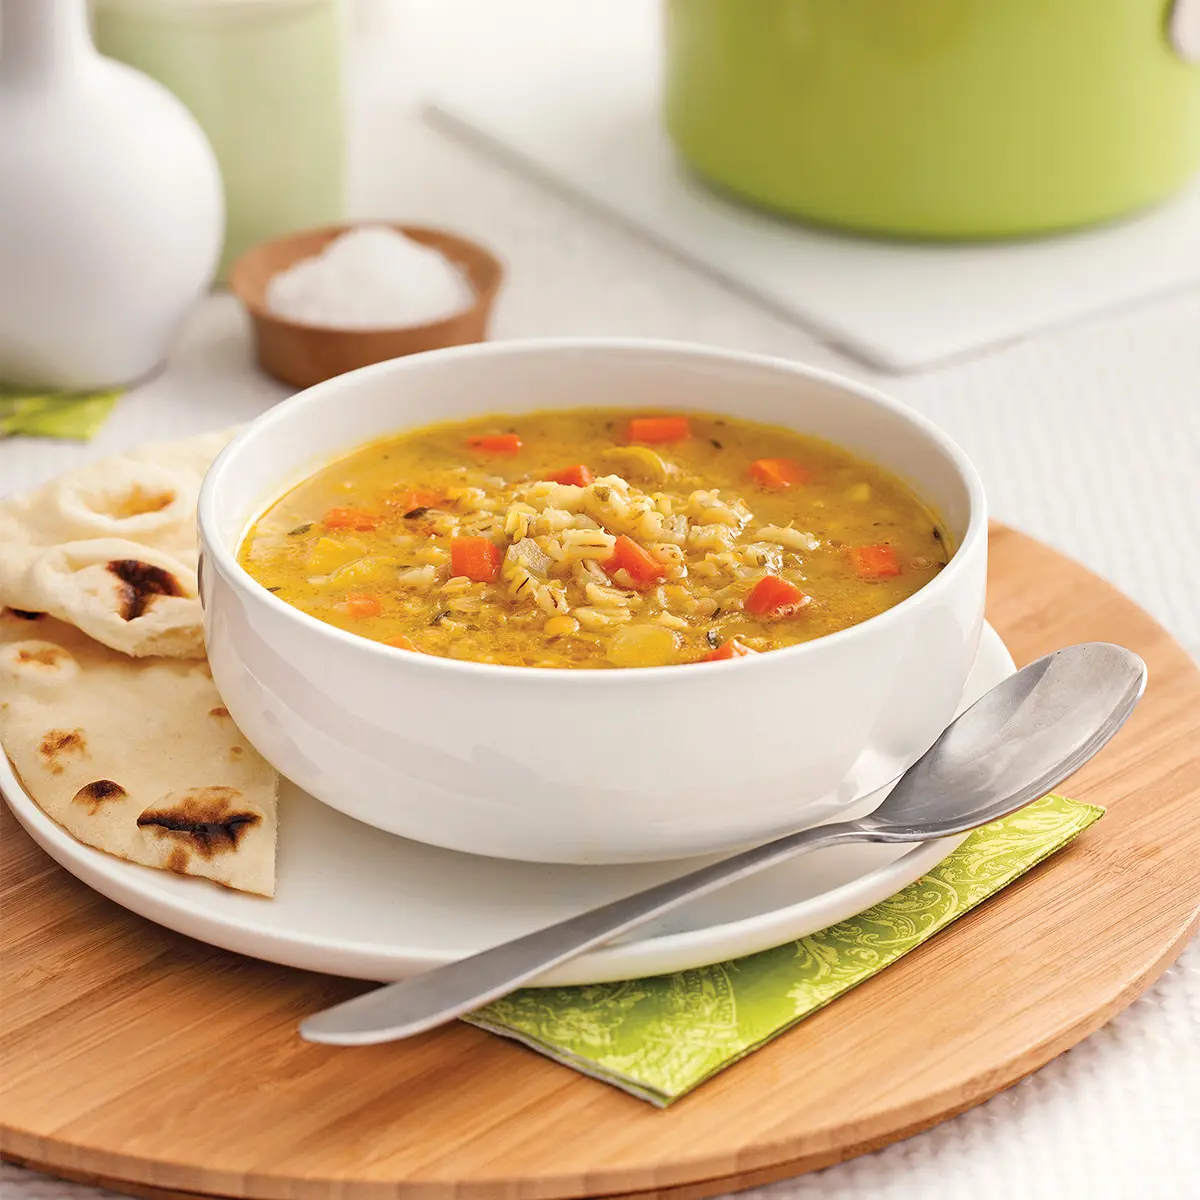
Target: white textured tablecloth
[1088,438]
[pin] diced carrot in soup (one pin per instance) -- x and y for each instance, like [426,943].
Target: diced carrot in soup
[641,566]
[775,597]
[875,562]
[360,605]
[579,475]
[413,498]
[498,443]
[350,518]
[777,472]
[659,429]
[476,558]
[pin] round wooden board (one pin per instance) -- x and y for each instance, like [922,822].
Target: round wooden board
[156,1065]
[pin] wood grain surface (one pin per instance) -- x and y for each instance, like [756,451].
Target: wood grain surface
[137,1058]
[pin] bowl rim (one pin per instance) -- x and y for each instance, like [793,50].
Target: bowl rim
[482,297]
[225,561]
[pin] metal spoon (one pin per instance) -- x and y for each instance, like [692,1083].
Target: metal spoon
[1016,743]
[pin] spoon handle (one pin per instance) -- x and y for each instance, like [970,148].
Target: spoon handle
[401,1010]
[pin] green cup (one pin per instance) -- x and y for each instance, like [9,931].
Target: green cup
[264,80]
[937,118]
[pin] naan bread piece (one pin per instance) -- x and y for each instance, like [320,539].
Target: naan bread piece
[111,547]
[146,495]
[139,601]
[137,757]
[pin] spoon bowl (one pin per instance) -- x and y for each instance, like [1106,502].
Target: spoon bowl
[1015,743]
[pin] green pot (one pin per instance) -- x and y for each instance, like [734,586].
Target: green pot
[937,118]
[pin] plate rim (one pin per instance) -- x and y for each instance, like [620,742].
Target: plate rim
[130,886]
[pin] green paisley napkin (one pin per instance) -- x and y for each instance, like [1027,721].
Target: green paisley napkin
[53,414]
[659,1038]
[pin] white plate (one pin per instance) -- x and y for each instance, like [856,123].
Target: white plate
[354,901]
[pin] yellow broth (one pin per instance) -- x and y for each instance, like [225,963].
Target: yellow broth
[660,559]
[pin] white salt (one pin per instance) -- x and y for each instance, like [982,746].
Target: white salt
[370,278]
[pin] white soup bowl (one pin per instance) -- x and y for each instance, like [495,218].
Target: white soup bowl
[588,766]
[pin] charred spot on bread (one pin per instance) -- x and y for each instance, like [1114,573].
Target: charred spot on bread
[57,744]
[139,500]
[139,583]
[98,792]
[25,615]
[43,656]
[204,820]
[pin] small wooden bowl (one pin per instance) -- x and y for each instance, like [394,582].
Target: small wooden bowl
[302,354]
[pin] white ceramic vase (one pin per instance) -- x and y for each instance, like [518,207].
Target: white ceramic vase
[111,214]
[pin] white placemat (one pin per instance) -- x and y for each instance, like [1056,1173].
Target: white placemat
[570,92]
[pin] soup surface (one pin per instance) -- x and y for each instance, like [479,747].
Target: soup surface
[596,538]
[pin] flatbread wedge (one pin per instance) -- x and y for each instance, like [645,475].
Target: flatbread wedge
[128,597]
[137,757]
[111,547]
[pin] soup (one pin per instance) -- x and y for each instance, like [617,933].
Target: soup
[596,538]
